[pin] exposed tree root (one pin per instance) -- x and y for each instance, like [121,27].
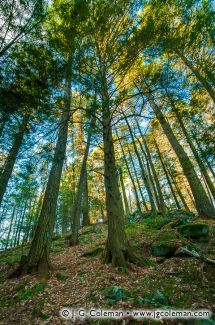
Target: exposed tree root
[122,256]
[42,268]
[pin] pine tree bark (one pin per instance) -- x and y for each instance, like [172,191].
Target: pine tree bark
[203,205]
[11,158]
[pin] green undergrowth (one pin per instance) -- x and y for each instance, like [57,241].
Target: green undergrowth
[12,256]
[26,293]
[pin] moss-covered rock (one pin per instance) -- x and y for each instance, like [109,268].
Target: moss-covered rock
[164,249]
[194,230]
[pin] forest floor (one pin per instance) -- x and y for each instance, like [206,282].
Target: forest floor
[79,281]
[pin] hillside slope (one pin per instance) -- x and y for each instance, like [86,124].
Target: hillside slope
[80,280]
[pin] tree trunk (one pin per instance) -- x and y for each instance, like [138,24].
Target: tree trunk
[85,207]
[195,153]
[162,205]
[202,153]
[151,178]
[208,190]
[203,205]
[10,228]
[76,211]
[3,122]
[196,72]
[38,207]
[132,180]
[167,175]
[20,224]
[4,212]
[117,250]
[11,158]
[28,222]
[137,180]
[127,212]
[177,189]
[38,257]
[64,214]
[144,175]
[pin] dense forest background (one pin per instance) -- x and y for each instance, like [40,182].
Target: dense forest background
[106,116]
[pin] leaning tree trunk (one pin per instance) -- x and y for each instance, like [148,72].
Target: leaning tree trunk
[203,205]
[11,158]
[38,257]
[195,153]
[198,75]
